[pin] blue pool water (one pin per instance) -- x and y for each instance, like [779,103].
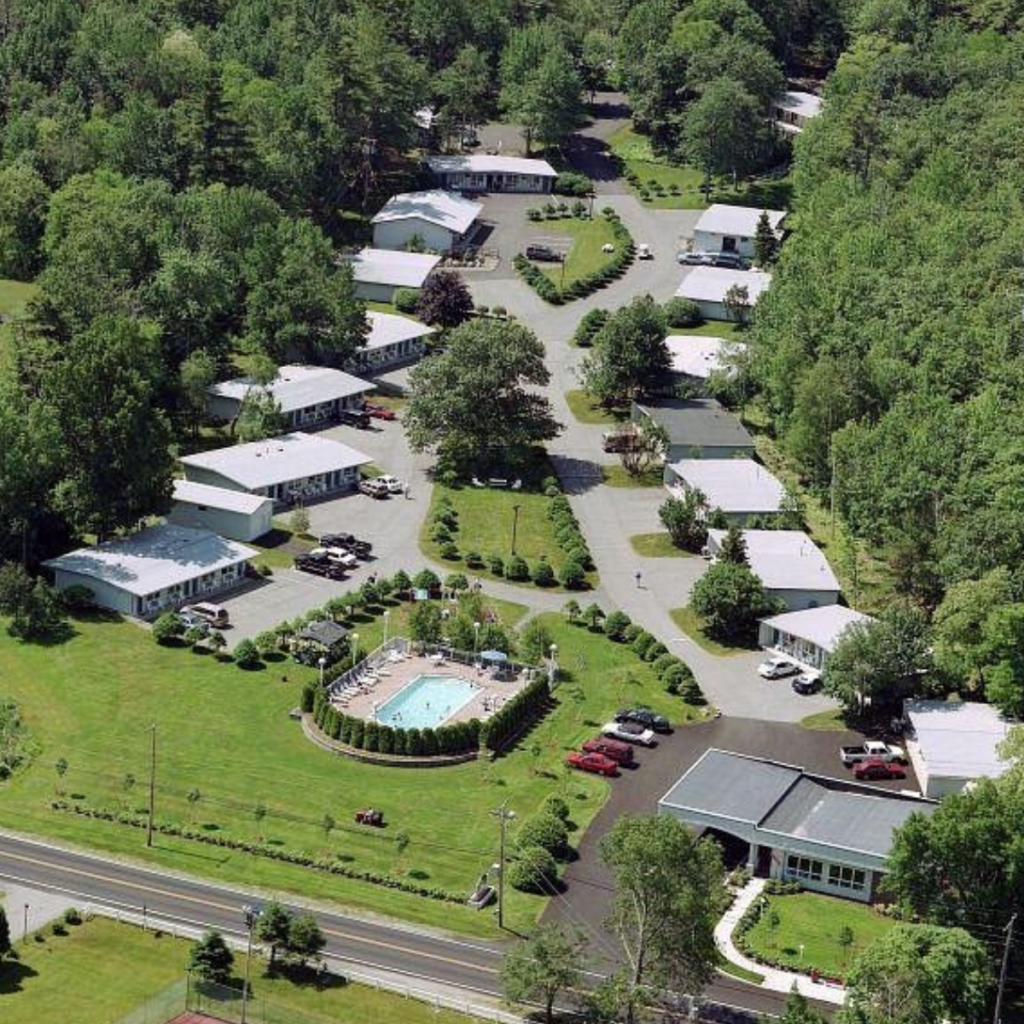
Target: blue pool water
[426,702]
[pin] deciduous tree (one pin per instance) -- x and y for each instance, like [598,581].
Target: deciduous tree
[730,599]
[540,968]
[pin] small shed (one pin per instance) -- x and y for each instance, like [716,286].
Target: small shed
[724,228]
[793,109]
[740,488]
[440,220]
[695,357]
[379,273]
[709,286]
[230,513]
[697,428]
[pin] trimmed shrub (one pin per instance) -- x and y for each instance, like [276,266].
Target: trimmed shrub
[655,650]
[663,662]
[631,632]
[496,565]
[546,831]
[474,560]
[543,574]
[556,806]
[517,570]
[573,576]
[682,313]
[450,551]
[572,183]
[642,642]
[306,701]
[690,691]
[534,870]
[615,625]
[406,299]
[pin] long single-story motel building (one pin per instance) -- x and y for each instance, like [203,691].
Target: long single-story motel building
[830,835]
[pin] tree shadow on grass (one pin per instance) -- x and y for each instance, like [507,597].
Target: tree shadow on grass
[14,975]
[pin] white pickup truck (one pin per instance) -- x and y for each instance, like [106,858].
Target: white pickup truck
[873,749]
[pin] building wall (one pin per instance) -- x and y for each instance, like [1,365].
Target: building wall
[373,360]
[227,523]
[460,181]
[104,594]
[374,292]
[221,407]
[832,875]
[715,241]
[792,646]
[798,600]
[396,234]
[308,488]
[202,475]
[677,451]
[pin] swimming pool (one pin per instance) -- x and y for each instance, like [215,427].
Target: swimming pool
[426,702]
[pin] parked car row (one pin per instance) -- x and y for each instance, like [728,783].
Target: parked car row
[319,563]
[778,668]
[604,754]
[729,260]
[347,542]
[202,615]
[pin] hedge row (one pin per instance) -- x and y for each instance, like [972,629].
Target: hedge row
[303,860]
[570,538]
[590,323]
[528,704]
[617,265]
[376,738]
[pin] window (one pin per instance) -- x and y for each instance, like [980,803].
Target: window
[803,868]
[846,878]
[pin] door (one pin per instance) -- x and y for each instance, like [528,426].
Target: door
[728,243]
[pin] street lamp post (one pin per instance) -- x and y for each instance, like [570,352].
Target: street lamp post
[476,640]
[515,526]
[323,664]
[387,615]
[554,663]
[24,927]
[504,816]
[355,648]
[251,915]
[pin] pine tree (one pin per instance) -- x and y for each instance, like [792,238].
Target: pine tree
[766,242]
[733,547]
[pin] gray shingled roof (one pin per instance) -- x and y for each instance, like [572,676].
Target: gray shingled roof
[324,632]
[700,422]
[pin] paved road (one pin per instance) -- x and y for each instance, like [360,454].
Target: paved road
[470,965]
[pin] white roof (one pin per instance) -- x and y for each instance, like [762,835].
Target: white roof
[387,329]
[721,219]
[219,497]
[424,118]
[154,559]
[391,266]
[278,460]
[485,163]
[820,626]
[733,485]
[709,284]
[449,210]
[699,356]
[958,739]
[785,560]
[297,387]
[805,104]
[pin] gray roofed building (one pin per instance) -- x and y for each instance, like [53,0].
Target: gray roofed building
[379,273]
[235,514]
[697,428]
[832,835]
[439,220]
[154,569]
[392,340]
[810,635]
[740,488]
[486,172]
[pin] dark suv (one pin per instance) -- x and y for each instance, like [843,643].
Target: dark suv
[646,717]
[543,254]
[354,418]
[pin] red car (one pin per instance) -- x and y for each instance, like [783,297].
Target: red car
[597,763]
[379,412]
[620,753]
[876,768]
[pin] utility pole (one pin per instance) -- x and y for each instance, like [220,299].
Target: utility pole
[997,1016]
[152,785]
[251,915]
[504,816]
[515,526]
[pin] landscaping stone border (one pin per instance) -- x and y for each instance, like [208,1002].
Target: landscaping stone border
[321,739]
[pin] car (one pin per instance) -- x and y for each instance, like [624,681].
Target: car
[644,716]
[596,763]
[543,254]
[379,412]
[482,897]
[373,487]
[695,259]
[776,668]
[643,252]
[339,556]
[347,542]
[630,732]
[354,418]
[214,614]
[621,753]
[370,816]
[730,260]
[620,440]
[319,565]
[876,768]
[192,621]
[806,683]
[393,484]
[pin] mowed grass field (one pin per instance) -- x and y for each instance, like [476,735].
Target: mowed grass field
[14,297]
[101,971]
[226,733]
[585,256]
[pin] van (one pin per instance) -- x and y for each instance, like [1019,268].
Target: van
[214,614]
[619,752]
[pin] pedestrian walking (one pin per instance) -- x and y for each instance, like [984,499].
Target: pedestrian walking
[638,576]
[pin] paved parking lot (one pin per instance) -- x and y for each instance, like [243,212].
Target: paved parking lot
[588,893]
[265,603]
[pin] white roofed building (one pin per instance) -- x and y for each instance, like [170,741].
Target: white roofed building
[288,468]
[808,636]
[484,172]
[697,357]
[307,395]
[708,287]
[379,273]
[793,109]
[724,228]
[953,743]
[439,220]
[158,568]
[393,340]
[789,564]
[740,488]
[233,514]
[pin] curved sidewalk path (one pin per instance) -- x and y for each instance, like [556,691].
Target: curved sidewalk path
[774,979]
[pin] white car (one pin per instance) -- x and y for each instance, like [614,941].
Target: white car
[337,555]
[776,668]
[392,483]
[630,732]
[643,252]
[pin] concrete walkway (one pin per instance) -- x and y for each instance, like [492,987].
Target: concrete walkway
[774,979]
[35,908]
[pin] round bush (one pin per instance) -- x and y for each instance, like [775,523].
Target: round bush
[642,642]
[555,806]
[631,632]
[543,574]
[663,662]
[690,691]
[615,625]
[656,650]
[682,313]
[546,831]
[474,560]
[450,551]
[517,570]
[573,576]
[496,565]
[406,299]
[534,871]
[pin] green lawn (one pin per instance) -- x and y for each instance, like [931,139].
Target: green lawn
[693,626]
[486,516]
[278,548]
[226,732]
[825,721]
[815,922]
[586,410]
[729,330]
[657,545]
[101,970]
[585,257]
[14,297]
[616,476]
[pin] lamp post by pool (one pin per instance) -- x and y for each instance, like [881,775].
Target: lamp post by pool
[24,929]
[476,639]
[515,526]
[387,615]
[553,670]
[323,664]
[251,915]
[355,648]
[504,816]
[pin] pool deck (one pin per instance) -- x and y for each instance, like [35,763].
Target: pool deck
[490,694]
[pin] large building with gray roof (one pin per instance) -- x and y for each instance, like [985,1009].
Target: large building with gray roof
[830,835]
[697,428]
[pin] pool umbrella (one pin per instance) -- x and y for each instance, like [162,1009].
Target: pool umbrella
[496,656]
